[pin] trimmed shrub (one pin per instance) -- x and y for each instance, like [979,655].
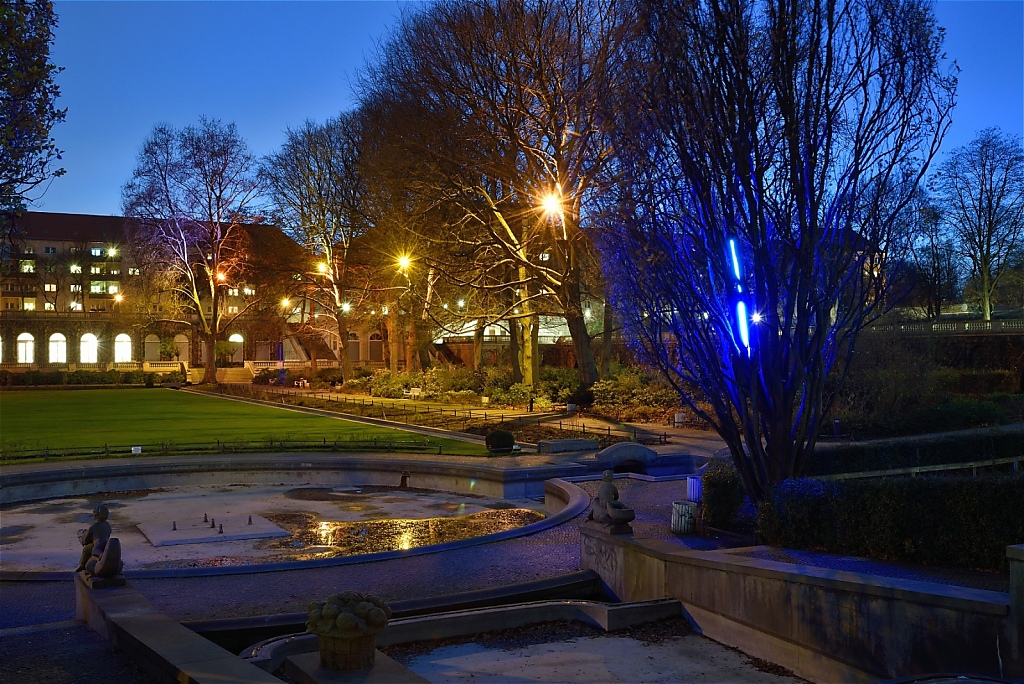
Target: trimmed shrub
[722,494]
[950,521]
[500,441]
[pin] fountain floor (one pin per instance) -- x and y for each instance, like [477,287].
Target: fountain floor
[209,525]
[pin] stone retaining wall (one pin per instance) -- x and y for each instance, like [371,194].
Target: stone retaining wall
[825,625]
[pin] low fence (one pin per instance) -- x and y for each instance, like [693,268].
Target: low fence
[458,419]
[223,446]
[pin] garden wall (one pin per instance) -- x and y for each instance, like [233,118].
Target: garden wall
[825,625]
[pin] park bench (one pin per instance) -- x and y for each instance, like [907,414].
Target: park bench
[412,393]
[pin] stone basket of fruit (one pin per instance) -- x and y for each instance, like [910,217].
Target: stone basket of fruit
[346,625]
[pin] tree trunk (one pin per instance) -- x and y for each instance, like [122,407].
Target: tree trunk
[577,324]
[986,293]
[412,358]
[393,338]
[606,340]
[210,368]
[478,345]
[346,359]
[514,353]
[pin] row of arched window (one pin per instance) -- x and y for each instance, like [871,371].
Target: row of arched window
[88,348]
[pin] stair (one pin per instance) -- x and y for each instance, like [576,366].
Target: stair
[234,376]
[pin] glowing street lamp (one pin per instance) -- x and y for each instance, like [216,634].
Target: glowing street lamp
[404,262]
[742,326]
[552,204]
[118,298]
[285,302]
[322,267]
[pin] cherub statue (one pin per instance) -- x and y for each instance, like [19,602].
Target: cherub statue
[606,507]
[101,554]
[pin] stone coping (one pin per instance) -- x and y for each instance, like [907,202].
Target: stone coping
[573,499]
[931,593]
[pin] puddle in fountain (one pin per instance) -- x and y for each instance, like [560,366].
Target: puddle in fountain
[331,538]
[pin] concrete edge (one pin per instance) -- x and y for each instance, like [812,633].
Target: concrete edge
[270,654]
[575,502]
[916,591]
[164,648]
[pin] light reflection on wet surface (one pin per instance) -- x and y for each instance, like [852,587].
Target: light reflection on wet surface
[374,536]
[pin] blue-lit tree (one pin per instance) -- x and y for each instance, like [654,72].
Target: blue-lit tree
[769,156]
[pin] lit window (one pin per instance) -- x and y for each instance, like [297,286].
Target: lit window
[49,306]
[50,287]
[29,305]
[95,269]
[544,256]
[26,348]
[97,287]
[122,348]
[50,250]
[75,306]
[96,251]
[114,271]
[89,348]
[76,288]
[75,268]
[232,309]
[233,291]
[236,338]
[111,288]
[58,348]
[134,271]
[28,266]
[29,249]
[248,291]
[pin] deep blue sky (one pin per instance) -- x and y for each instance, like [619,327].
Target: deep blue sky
[268,65]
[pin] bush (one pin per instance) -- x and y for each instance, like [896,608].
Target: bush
[951,521]
[500,441]
[722,494]
[516,395]
[384,384]
[560,385]
[622,396]
[495,380]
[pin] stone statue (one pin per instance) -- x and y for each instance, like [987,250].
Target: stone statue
[101,553]
[606,508]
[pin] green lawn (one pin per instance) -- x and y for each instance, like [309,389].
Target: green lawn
[63,419]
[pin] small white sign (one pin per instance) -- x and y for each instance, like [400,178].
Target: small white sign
[137,450]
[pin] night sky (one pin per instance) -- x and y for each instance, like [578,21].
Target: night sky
[270,65]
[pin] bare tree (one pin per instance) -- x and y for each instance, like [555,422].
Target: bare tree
[935,258]
[496,105]
[317,188]
[773,147]
[192,193]
[981,188]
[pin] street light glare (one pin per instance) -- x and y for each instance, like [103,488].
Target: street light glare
[322,267]
[285,302]
[552,204]
[404,262]
[756,318]
[221,277]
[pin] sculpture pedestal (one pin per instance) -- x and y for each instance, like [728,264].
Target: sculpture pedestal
[347,653]
[608,528]
[305,669]
[96,582]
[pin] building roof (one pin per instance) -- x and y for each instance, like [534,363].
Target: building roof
[39,225]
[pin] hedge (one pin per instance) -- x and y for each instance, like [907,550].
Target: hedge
[82,377]
[949,521]
[852,458]
[722,494]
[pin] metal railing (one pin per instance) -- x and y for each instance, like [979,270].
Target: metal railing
[1002,327]
[914,471]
